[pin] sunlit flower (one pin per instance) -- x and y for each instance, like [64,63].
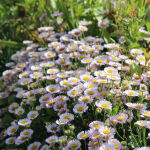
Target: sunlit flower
[111,46]
[121,118]
[107,131]
[51,139]
[103,24]
[96,124]
[145,113]
[74,92]
[67,116]
[32,114]
[103,104]
[24,122]
[19,111]
[74,144]
[80,108]
[85,99]
[131,93]
[116,143]
[36,75]
[53,71]
[34,146]
[83,135]
[107,147]
[53,89]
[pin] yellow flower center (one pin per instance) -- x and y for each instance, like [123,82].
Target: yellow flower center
[83,135]
[131,93]
[120,118]
[52,140]
[90,92]
[24,122]
[143,124]
[97,135]
[85,99]
[105,105]
[53,71]
[34,147]
[146,113]
[74,145]
[74,92]
[80,108]
[32,115]
[139,106]
[52,89]
[49,54]
[96,125]
[13,130]
[116,145]
[67,117]
[99,61]
[11,141]
[65,82]
[36,75]
[107,131]
[26,133]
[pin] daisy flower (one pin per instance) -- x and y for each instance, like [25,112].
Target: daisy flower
[53,89]
[51,139]
[85,99]
[107,147]
[32,114]
[103,24]
[74,144]
[73,81]
[96,124]
[131,93]
[12,107]
[99,60]
[116,143]
[34,146]
[76,32]
[111,70]
[12,129]
[26,133]
[92,92]
[111,46]
[107,131]
[67,116]
[24,122]
[44,147]
[142,148]
[36,75]
[145,113]
[80,108]
[121,118]
[143,123]
[53,71]
[83,135]
[103,104]
[74,92]
[64,83]
[136,51]
[19,111]
[10,140]
[24,81]
[52,128]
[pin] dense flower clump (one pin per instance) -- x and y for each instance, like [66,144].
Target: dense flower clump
[76,92]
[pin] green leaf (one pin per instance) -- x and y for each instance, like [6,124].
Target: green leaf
[115,109]
[11,44]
